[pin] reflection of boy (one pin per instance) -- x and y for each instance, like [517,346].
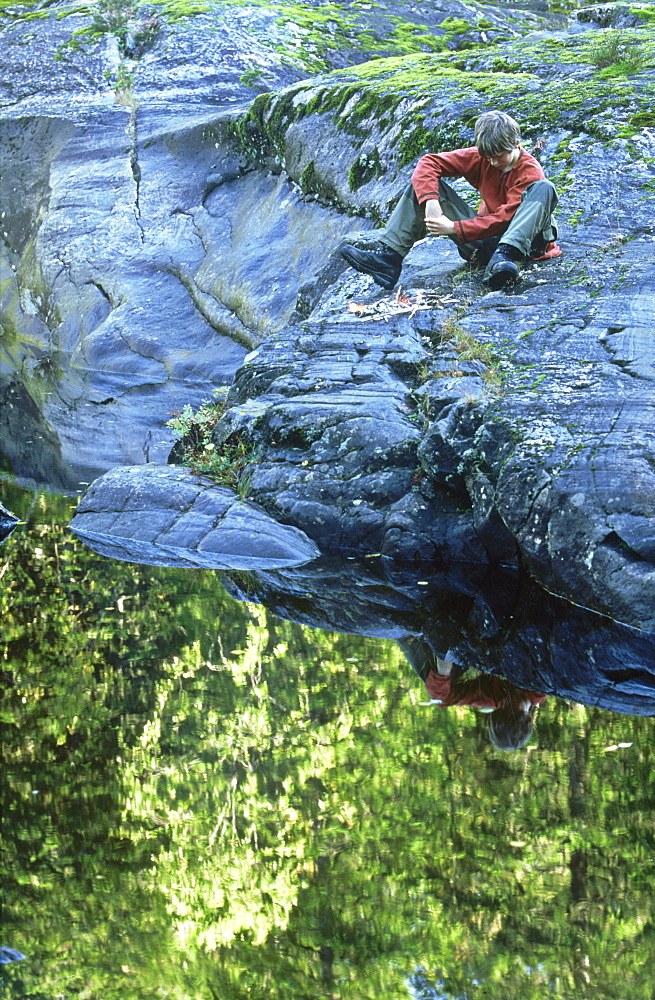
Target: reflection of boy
[509,707]
[513,222]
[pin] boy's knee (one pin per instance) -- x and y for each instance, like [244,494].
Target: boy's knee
[543,189]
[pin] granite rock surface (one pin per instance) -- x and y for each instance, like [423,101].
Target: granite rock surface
[134,273]
[162,231]
[164,517]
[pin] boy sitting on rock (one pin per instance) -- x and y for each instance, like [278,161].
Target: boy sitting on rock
[513,222]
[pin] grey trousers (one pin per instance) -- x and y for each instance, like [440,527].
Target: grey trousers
[530,231]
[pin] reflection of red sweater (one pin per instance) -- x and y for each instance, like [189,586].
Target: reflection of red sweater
[485,691]
[501,192]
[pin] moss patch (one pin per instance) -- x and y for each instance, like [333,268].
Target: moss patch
[418,103]
[646,14]
[469,348]
[366,167]
[308,178]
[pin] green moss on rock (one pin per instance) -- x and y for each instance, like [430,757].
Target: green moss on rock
[308,178]
[429,101]
[643,119]
[366,168]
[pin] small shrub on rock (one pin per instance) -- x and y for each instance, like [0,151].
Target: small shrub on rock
[196,449]
[616,55]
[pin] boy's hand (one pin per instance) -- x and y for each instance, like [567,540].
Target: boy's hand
[436,222]
[440,227]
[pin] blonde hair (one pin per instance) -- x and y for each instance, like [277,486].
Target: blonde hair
[496,132]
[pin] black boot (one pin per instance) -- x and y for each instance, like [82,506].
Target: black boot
[503,268]
[380,261]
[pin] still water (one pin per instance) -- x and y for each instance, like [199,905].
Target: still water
[203,800]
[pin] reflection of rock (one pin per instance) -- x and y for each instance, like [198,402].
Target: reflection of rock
[10,955]
[169,517]
[27,442]
[489,620]
[8,522]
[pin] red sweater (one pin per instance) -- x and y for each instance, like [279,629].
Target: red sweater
[501,192]
[485,691]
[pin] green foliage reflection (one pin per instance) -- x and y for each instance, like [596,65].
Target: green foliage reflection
[204,801]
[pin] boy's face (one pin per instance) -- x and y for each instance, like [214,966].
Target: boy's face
[506,159]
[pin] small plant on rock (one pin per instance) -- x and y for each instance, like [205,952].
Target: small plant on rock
[223,463]
[197,425]
[112,17]
[123,87]
[469,348]
[617,55]
[134,29]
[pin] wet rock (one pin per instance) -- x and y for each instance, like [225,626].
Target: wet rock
[27,442]
[170,517]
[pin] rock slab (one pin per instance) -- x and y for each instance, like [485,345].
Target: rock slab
[170,517]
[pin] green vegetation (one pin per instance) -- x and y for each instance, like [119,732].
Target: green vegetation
[469,348]
[643,119]
[177,10]
[225,463]
[366,167]
[135,28]
[201,800]
[372,93]
[303,36]
[456,25]
[251,77]
[419,65]
[646,14]
[334,27]
[117,17]
[429,101]
[616,55]
[308,178]
[124,86]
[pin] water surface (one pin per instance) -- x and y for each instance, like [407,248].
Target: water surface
[203,800]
